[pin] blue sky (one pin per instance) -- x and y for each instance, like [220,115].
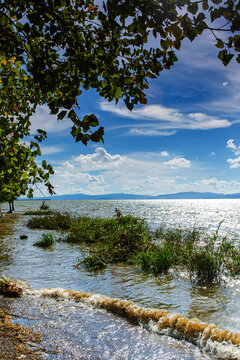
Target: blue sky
[185,139]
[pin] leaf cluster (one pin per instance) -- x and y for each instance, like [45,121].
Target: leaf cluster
[68,47]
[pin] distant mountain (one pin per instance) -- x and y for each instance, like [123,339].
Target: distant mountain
[122,196]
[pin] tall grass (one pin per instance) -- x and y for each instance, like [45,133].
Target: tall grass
[54,221]
[46,240]
[128,239]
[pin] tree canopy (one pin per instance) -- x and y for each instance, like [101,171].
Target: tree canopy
[56,49]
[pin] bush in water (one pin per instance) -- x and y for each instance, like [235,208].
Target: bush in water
[46,240]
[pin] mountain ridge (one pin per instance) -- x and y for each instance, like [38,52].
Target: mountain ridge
[124,196]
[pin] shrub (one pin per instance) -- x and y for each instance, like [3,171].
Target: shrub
[46,240]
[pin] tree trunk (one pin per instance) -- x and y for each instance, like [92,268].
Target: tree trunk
[10,207]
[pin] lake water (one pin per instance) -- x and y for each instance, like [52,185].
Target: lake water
[78,330]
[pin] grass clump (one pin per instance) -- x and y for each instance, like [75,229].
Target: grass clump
[128,239]
[55,221]
[46,240]
[117,240]
[156,261]
[39,212]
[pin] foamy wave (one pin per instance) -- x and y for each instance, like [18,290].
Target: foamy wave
[223,344]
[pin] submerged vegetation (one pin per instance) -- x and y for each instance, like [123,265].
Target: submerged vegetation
[128,239]
[46,240]
[50,221]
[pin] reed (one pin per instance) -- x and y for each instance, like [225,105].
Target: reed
[54,221]
[128,239]
[46,240]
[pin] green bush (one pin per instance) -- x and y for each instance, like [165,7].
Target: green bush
[46,240]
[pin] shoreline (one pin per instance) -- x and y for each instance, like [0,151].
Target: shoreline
[16,340]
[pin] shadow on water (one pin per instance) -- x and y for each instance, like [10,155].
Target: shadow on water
[7,237]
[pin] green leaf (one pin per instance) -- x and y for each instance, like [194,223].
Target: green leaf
[219,44]
[62,114]
[225,57]
[164,44]
[118,93]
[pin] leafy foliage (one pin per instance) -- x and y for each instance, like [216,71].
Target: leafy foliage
[67,47]
[52,51]
[18,168]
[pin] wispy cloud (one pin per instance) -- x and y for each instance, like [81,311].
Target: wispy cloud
[48,150]
[156,119]
[43,120]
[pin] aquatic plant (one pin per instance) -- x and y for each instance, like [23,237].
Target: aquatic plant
[46,240]
[96,261]
[56,221]
[125,238]
[117,239]
[39,212]
[44,206]
[157,261]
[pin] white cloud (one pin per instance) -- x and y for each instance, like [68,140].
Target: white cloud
[48,150]
[212,153]
[215,185]
[68,165]
[234,163]
[225,83]
[150,132]
[43,120]
[102,172]
[160,118]
[231,145]
[100,159]
[178,162]
[89,179]
[164,153]
[148,174]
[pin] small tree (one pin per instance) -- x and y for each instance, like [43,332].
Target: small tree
[18,169]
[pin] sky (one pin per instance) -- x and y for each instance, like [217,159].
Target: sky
[187,138]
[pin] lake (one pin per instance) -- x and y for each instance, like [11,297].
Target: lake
[77,330]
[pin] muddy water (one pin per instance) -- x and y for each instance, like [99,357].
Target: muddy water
[81,331]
